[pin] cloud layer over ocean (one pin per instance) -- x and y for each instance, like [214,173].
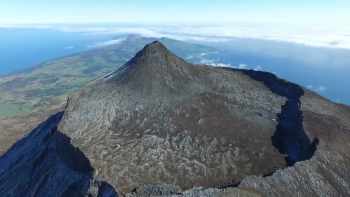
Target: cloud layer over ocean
[111,42]
[311,35]
[317,36]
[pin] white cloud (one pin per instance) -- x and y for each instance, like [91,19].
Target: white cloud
[317,36]
[309,86]
[206,61]
[338,100]
[190,57]
[70,47]
[331,36]
[321,88]
[111,42]
[242,66]
[203,54]
[213,63]
[257,68]
[222,65]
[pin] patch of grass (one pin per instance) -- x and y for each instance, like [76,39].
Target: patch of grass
[51,92]
[90,70]
[10,108]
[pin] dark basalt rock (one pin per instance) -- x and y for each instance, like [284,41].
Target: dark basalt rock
[44,163]
[289,137]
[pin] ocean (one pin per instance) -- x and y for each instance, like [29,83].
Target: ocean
[21,47]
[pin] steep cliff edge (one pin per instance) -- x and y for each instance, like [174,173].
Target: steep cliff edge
[44,163]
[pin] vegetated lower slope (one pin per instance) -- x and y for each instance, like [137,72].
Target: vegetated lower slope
[32,94]
[161,126]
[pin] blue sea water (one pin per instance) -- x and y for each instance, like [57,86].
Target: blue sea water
[21,47]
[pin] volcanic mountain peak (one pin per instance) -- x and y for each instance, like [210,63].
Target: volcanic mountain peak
[161,121]
[153,48]
[190,117]
[153,69]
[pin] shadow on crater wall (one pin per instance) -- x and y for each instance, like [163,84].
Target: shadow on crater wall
[45,163]
[289,137]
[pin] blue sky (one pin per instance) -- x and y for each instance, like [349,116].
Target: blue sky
[179,11]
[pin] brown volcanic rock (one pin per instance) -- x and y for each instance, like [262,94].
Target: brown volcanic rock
[161,126]
[160,120]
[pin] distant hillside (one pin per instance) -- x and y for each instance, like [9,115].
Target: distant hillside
[32,93]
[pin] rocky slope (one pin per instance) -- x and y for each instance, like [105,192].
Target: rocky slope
[32,94]
[161,126]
